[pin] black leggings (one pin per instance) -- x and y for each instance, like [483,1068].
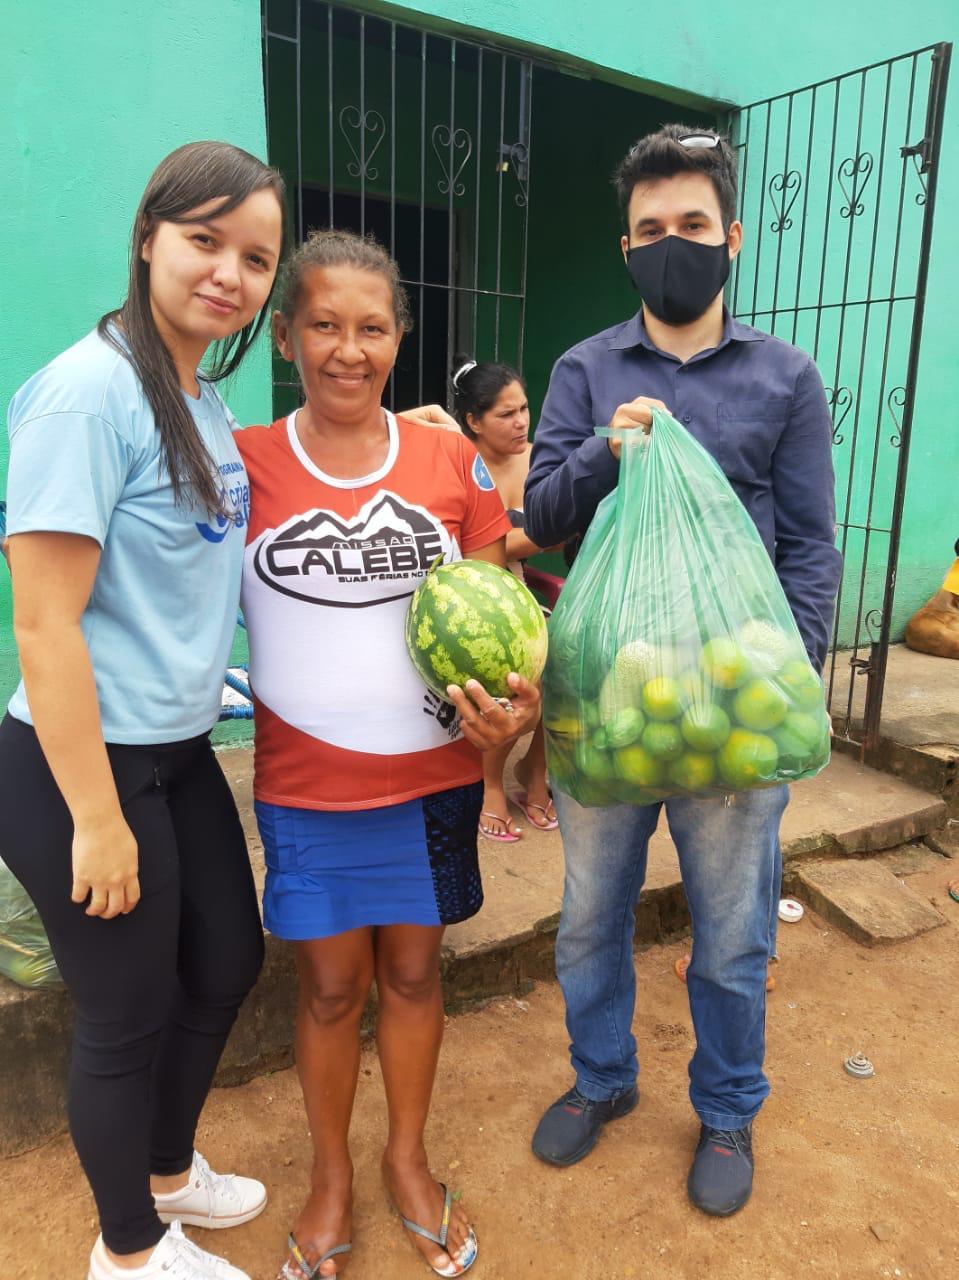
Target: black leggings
[156,991]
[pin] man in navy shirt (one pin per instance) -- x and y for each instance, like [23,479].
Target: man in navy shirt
[759,407]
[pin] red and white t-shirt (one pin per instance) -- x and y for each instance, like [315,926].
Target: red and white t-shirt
[343,720]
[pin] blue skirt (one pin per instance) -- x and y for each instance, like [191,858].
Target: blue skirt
[411,863]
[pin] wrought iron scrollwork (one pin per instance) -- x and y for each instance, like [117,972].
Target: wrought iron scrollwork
[896,399]
[446,142]
[369,123]
[515,157]
[785,186]
[873,624]
[840,402]
[857,170]
[918,153]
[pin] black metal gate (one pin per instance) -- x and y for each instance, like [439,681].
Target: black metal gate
[423,140]
[837,191]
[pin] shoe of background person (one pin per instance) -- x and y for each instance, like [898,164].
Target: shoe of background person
[570,1128]
[212,1200]
[721,1178]
[174,1258]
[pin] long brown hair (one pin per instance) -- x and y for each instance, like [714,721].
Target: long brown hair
[189,177]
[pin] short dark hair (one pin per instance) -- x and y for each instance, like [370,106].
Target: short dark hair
[661,155]
[476,388]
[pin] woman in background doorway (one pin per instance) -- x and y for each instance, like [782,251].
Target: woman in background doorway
[491,406]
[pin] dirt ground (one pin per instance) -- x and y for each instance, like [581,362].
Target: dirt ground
[854,1178]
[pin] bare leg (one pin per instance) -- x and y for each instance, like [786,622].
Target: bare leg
[495,819]
[409,1031]
[531,775]
[335,978]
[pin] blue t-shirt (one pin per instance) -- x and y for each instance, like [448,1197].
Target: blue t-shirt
[85,459]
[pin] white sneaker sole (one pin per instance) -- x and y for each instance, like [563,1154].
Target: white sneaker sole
[212,1224]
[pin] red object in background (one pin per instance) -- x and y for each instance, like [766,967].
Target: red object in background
[543,584]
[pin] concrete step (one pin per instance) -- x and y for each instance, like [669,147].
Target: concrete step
[848,809]
[866,900]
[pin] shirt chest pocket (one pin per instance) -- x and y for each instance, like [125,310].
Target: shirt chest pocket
[749,431]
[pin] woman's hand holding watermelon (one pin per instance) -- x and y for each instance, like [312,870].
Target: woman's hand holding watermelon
[488,722]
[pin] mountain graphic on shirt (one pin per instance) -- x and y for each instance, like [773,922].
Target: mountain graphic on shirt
[380,554]
[408,520]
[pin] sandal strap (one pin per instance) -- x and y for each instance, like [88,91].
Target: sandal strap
[507,821]
[310,1269]
[444,1224]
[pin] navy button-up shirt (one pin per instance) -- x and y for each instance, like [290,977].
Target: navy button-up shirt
[754,402]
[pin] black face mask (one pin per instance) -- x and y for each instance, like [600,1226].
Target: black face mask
[678,278]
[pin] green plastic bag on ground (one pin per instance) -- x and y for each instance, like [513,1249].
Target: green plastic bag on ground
[675,666]
[25,954]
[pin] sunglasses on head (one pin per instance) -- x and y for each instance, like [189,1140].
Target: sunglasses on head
[695,140]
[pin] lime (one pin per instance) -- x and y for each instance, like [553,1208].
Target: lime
[705,726]
[663,699]
[801,685]
[594,764]
[724,662]
[693,771]
[664,741]
[802,737]
[635,764]
[760,705]
[746,758]
[625,727]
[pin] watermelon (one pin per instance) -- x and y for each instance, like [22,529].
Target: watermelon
[472,620]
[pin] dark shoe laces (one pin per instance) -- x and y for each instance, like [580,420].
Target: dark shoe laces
[738,1140]
[574,1100]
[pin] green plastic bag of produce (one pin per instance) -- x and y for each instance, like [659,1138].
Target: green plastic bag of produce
[25,954]
[675,666]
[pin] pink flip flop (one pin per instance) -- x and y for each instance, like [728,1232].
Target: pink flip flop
[504,837]
[522,802]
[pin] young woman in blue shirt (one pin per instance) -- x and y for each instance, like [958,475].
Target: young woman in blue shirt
[127,501]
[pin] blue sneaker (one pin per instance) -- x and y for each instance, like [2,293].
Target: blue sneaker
[570,1128]
[721,1178]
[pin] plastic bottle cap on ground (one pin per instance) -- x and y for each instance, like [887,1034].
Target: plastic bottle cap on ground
[859,1066]
[790,910]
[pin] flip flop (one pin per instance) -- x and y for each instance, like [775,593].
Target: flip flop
[469,1248]
[522,802]
[953,890]
[683,962]
[308,1270]
[504,837]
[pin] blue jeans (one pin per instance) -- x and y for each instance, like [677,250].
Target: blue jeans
[730,862]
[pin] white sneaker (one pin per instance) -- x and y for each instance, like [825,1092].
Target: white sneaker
[211,1199]
[174,1258]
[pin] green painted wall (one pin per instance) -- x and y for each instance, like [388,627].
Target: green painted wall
[90,111]
[742,52]
[94,97]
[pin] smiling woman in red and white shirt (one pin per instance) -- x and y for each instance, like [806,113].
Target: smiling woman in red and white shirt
[368,788]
